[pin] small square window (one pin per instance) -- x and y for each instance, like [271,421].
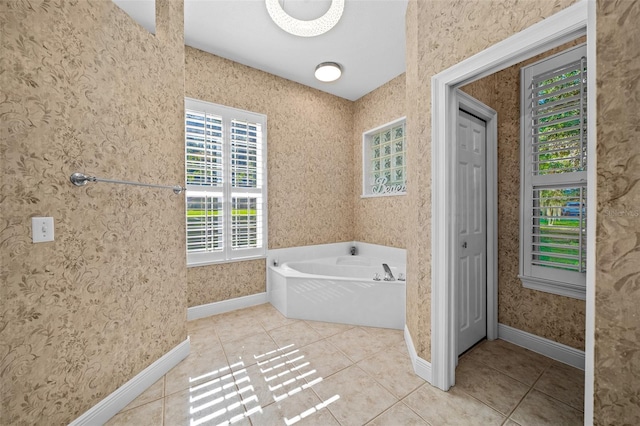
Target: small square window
[384,151]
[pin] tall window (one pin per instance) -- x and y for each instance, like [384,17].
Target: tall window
[554,181]
[384,162]
[225,163]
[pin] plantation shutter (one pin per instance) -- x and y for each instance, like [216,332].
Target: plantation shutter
[554,163]
[246,183]
[204,180]
[225,180]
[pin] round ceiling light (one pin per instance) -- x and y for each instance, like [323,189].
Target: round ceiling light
[301,28]
[328,71]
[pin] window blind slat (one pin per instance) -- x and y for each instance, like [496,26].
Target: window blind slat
[556,72]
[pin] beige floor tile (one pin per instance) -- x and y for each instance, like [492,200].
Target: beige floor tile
[184,408]
[539,409]
[237,327]
[399,414]
[204,341]
[357,344]
[248,350]
[153,392]
[202,324]
[148,414]
[389,337]
[327,329]
[271,318]
[510,423]
[302,409]
[298,334]
[519,363]
[394,371]
[564,383]
[454,407]
[273,386]
[321,356]
[196,369]
[361,398]
[490,386]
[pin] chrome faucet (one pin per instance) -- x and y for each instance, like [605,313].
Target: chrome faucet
[353,250]
[388,276]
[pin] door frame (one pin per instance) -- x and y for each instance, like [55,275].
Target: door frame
[474,107]
[551,32]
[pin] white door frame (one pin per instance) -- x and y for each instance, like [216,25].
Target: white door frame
[554,31]
[474,107]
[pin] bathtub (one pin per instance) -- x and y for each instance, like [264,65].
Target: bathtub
[338,289]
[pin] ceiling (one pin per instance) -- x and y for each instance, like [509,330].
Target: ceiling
[368,41]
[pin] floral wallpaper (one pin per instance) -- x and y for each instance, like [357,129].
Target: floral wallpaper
[617,321]
[86,89]
[310,165]
[558,318]
[378,220]
[441,33]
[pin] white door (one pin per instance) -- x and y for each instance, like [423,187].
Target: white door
[472,234]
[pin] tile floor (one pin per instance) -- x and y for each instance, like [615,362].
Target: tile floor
[256,367]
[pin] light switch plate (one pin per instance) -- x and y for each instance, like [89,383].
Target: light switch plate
[42,229]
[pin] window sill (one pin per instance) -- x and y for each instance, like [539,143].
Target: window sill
[389,194]
[574,291]
[218,262]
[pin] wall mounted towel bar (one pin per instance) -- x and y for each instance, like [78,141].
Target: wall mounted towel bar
[80,179]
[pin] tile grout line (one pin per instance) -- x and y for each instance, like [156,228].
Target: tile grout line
[411,393]
[531,388]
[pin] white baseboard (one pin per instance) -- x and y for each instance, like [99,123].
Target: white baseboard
[549,348]
[110,406]
[215,308]
[420,366]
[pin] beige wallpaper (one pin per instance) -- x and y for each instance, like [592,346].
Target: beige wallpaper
[86,89]
[310,165]
[561,319]
[379,220]
[617,340]
[440,34]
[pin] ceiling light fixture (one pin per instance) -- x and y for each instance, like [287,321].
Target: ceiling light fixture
[328,72]
[301,28]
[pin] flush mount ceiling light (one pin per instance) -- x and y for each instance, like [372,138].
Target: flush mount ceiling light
[301,28]
[328,71]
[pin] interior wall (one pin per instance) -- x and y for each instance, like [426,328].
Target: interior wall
[558,318]
[441,34]
[378,220]
[310,165]
[86,89]
[617,293]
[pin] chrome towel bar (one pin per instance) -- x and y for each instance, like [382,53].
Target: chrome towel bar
[80,179]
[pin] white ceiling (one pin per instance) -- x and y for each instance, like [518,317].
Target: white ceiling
[368,42]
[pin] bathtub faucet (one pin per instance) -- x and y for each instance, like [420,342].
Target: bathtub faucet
[388,276]
[353,250]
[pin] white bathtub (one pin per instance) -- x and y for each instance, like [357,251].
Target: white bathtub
[339,289]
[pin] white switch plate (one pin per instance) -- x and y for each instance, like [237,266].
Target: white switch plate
[42,229]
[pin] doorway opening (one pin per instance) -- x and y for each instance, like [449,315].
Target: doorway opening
[552,32]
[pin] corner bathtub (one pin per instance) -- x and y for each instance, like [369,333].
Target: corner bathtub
[339,289]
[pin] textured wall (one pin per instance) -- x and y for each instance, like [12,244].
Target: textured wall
[310,156]
[84,88]
[617,340]
[378,220]
[440,34]
[561,319]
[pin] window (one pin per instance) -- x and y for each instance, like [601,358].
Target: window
[226,197]
[554,181]
[384,162]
